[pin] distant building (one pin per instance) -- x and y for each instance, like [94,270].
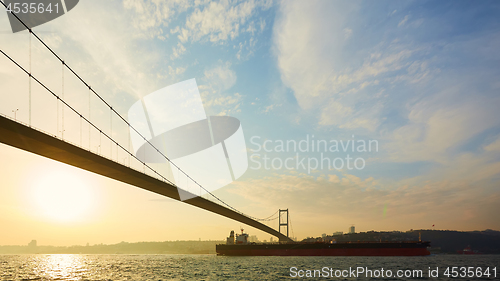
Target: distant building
[253,239]
[32,243]
[338,233]
[311,239]
[323,236]
[329,239]
[352,229]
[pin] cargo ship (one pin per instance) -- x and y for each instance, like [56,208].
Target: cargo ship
[239,246]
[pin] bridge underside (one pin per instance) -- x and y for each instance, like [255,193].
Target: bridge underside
[20,136]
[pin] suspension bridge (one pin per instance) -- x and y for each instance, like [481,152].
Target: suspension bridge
[67,145]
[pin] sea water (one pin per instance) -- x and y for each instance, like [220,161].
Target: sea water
[212,267]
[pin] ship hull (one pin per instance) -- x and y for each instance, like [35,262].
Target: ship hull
[327,249]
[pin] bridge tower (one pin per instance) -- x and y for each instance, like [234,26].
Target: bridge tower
[283,222]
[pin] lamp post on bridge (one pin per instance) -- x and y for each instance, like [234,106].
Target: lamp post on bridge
[15,114]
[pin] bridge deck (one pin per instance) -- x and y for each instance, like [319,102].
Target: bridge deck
[23,137]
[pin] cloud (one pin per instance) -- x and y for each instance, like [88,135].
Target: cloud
[214,92]
[494,146]
[150,17]
[221,77]
[426,101]
[331,79]
[246,49]
[340,83]
[307,63]
[220,21]
[440,123]
[251,28]
[112,41]
[335,113]
[347,33]
[262,24]
[403,21]
[271,107]
[177,51]
[348,199]
[176,71]
[376,65]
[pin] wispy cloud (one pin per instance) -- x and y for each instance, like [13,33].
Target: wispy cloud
[351,199]
[494,146]
[216,98]
[220,21]
[403,21]
[178,51]
[152,17]
[405,92]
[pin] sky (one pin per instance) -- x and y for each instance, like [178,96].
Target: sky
[418,80]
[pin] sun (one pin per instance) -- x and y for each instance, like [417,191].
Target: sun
[61,196]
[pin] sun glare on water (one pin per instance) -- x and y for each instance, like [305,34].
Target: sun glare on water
[61,196]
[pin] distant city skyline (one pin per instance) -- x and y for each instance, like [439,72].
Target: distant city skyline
[417,78]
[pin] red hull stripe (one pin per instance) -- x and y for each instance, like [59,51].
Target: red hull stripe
[326,252]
